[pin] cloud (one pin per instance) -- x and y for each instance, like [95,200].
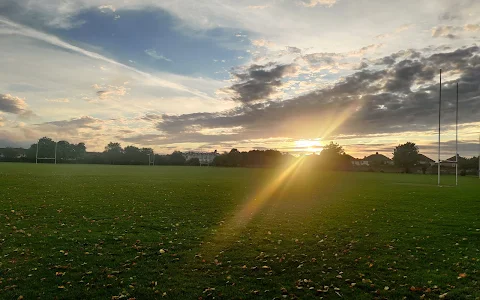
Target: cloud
[71,126]
[398,97]
[59,100]
[293,50]
[152,53]
[263,43]
[334,62]
[472,27]
[2,121]
[258,6]
[18,29]
[107,7]
[313,3]
[110,91]
[259,82]
[395,32]
[364,50]
[14,105]
[454,32]
[445,32]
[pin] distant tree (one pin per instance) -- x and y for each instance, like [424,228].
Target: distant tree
[176,158]
[234,158]
[9,154]
[80,150]
[333,157]
[31,152]
[65,151]
[46,147]
[133,156]
[406,156]
[332,149]
[193,162]
[146,151]
[220,160]
[113,152]
[161,160]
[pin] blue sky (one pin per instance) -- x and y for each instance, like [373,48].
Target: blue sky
[152,40]
[204,75]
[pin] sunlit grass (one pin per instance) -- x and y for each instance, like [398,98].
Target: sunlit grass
[93,232]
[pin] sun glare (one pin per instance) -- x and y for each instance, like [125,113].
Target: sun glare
[313,145]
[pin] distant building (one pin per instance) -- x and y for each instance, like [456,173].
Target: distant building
[378,159]
[450,162]
[205,158]
[17,153]
[425,160]
[359,162]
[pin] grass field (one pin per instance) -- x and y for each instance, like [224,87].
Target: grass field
[97,232]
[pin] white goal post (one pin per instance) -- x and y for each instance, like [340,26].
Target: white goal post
[151,159]
[46,158]
[456,161]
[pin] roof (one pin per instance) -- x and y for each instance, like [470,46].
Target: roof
[350,157]
[424,158]
[377,157]
[451,159]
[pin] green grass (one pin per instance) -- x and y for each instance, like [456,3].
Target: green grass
[88,232]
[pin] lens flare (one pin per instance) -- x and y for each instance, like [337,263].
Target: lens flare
[228,231]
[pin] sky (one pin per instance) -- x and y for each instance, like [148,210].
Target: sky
[197,75]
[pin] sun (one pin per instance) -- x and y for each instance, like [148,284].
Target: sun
[312,145]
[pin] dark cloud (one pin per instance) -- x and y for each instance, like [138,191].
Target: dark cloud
[401,96]
[14,105]
[259,82]
[322,60]
[72,126]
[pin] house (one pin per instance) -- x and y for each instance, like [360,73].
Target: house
[13,153]
[359,162]
[205,158]
[378,159]
[425,160]
[450,162]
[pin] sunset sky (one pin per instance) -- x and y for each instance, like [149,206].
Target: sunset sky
[205,75]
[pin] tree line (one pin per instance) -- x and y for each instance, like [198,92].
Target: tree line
[332,157]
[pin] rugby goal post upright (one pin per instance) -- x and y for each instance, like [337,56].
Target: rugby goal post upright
[151,159]
[46,158]
[439,115]
[456,134]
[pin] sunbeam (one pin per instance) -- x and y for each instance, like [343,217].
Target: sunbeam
[226,234]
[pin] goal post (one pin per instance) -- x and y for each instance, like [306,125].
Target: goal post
[54,158]
[456,161]
[151,159]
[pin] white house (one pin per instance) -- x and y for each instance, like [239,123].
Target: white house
[205,158]
[360,162]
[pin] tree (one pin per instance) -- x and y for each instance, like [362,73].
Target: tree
[193,162]
[176,158]
[333,157]
[406,156]
[133,156]
[80,150]
[9,154]
[332,149]
[65,151]
[31,152]
[113,152]
[46,147]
